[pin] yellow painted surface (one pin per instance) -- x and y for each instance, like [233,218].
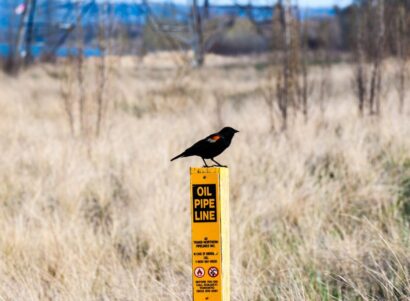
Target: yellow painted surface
[210,233]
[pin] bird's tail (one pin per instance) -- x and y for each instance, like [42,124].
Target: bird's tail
[179,156]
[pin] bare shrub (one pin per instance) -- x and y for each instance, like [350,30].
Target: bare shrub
[290,57]
[369,55]
[401,23]
[85,99]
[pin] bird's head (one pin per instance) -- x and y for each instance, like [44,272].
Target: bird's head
[228,132]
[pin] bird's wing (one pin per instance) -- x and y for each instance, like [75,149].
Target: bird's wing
[203,144]
[199,144]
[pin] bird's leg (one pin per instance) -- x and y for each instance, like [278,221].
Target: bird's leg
[218,164]
[206,165]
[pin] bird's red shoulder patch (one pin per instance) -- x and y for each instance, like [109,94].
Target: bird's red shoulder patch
[214,138]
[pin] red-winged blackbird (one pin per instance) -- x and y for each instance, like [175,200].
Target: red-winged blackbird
[211,146]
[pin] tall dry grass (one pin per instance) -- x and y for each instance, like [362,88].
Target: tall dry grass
[319,212]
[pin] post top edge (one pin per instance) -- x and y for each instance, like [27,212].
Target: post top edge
[199,170]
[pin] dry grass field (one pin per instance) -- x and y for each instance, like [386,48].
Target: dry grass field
[319,212]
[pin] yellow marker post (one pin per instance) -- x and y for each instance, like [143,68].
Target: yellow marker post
[210,233]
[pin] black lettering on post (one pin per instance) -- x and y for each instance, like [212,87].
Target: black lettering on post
[204,203]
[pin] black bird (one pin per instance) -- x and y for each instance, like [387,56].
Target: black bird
[211,146]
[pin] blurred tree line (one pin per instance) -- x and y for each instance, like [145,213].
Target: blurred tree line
[201,27]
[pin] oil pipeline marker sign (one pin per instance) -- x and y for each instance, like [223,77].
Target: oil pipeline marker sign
[210,234]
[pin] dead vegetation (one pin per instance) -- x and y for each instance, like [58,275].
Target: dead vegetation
[319,212]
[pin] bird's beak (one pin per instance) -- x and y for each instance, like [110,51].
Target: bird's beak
[236,131]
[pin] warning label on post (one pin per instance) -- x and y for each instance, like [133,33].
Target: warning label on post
[204,198]
[205,258]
